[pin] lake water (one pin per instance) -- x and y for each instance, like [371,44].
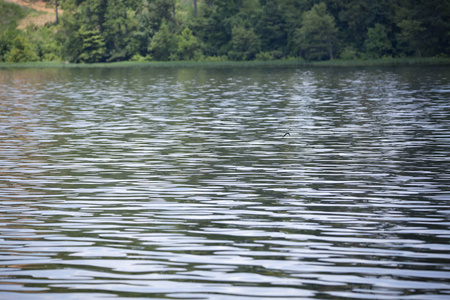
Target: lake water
[177,183]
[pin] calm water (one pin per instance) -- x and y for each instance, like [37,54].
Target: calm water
[178,184]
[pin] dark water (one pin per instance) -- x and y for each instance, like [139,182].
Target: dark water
[178,184]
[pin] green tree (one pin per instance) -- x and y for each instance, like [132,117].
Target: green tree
[163,43]
[213,25]
[245,44]
[272,27]
[161,11]
[226,8]
[146,28]
[378,43]
[114,20]
[422,27]
[188,44]
[316,36]
[46,46]
[410,36]
[113,30]
[6,41]
[355,17]
[118,28]
[93,46]
[68,33]
[94,11]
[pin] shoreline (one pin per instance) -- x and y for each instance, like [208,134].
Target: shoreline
[277,63]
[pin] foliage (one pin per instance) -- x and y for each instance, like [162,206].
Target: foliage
[85,46]
[220,30]
[44,43]
[163,43]
[21,50]
[349,53]
[316,35]
[245,44]
[188,45]
[140,58]
[264,56]
[10,13]
[92,46]
[6,39]
[12,47]
[160,11]
[410,36]
[377,43]
[272,27]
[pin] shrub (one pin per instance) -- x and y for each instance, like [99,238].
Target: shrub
[188,45]
[140,58]
[377,42]
[349,53]
[245,44]
[22,51]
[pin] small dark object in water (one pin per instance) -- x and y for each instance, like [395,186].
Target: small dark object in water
[287,133]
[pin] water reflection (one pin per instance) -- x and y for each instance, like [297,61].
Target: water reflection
[178,183]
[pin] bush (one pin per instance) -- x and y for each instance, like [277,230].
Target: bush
[216,58]
[269,55]
[163,43]
[188,45]
[245,44]
[410,38]
[377,42]
[140,58]
[6,41]
[22,51]
[264,56]
[45,44]
[349,53]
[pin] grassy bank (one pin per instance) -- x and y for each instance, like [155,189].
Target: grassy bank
[11,14]
[279,63]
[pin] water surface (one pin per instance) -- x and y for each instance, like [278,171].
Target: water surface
[178,183]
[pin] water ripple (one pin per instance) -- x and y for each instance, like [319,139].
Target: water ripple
[179,184]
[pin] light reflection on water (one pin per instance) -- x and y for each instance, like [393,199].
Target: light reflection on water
[178,184]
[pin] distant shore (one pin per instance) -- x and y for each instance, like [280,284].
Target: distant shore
[275,63]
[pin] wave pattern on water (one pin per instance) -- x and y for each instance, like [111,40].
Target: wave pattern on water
[180,185]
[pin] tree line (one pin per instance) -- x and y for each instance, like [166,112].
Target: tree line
[214,30]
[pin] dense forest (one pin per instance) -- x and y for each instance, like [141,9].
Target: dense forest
[217,30]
